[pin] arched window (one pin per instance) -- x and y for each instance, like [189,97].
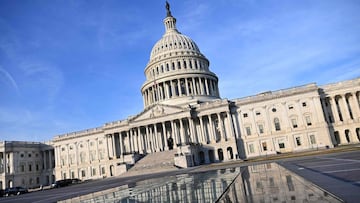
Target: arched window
[220,154]
[277,124]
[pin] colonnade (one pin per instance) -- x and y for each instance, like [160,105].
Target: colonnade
[343,112]
[343,107]
[167,135]
[48,159]
[180,87]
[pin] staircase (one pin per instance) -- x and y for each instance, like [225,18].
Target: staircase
[153,163]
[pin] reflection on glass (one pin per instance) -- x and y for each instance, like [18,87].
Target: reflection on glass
[272,183]
[257,183]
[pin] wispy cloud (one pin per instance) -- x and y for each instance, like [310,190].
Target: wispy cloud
[7,78]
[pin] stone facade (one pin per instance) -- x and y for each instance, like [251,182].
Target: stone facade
[27,164]
[183,112]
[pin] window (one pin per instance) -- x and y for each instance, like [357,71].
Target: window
[261,128]
[22,155]
[94,171]
[277,124]
[264,146]
[245,115]
[312,139]
[257,113]
[37,167]
[248,130]
[304,104]
[281,144]
[294,123]
[291,107]
[273,110]
[29,155]
[30,167]
[298,141]
[102,170]
[251,148]
[22,168]
[83,173]
[308,120]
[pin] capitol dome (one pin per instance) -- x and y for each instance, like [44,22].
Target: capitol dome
[177,72]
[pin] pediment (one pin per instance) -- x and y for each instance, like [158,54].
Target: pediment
[155,111]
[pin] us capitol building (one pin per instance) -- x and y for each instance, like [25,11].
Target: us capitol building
[186,123]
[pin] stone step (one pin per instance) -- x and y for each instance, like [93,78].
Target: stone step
[154,162]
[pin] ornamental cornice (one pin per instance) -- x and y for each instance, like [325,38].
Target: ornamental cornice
[78,134]
[277,94]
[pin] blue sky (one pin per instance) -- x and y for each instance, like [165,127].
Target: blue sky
[72,65]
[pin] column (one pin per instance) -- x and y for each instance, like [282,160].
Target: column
[166,90]
[354,106]
[113,145]
[44,159]
[157,147]
[127,143]
[211,90]
[334,110]
[193,136]
[206,86]
[325,109]
[172,88]
[165,136]
[182,135]
[179,87]
[140,141]
[230,124]
[202,133]
[174,131]
[147,144]
[221,125]
[344,108]
[121,143]
[186,87]
[194,86]
[211,130]
[202,87]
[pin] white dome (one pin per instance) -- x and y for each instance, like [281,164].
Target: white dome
[177,72]
[173,41]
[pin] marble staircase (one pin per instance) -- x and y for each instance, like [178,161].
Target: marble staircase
[154,162]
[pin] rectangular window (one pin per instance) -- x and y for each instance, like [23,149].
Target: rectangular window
[257,113]
[312,139]
[261,128]
[251,148]
[30,167]
[83,173]
[304,104]
[294,123]
[248,130]
[298,141]
[291,107]
[272,183]
[245,115]
[102,170]
[308,120]
[264,146]
[290,183]
[22,168]
[72,174]
[281,145]
[94,171]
